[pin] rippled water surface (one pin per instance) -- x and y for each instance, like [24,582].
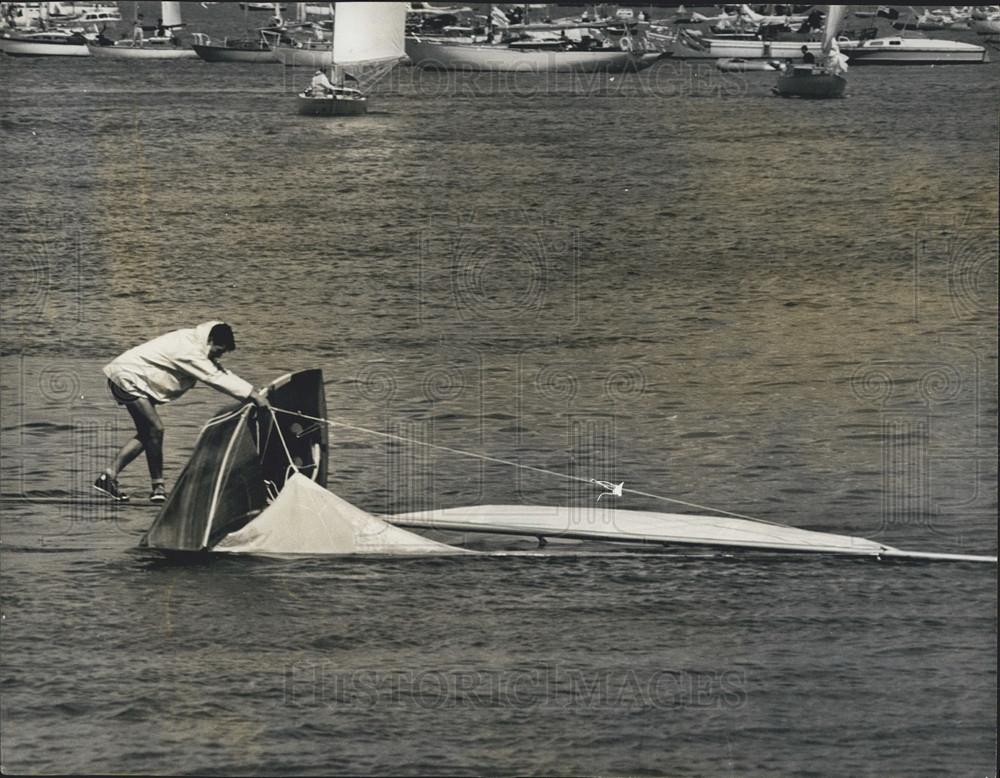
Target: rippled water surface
[780,308]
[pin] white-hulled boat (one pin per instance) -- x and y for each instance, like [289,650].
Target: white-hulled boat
[162,46]
[50,43]
[724,48]
[443,55]
[311,54]
[912,51]
[746,65]
[166,47]
[367,45]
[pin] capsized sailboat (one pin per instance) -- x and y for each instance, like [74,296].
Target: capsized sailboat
[368,42]
[824,79]
[242,459]
[256,484]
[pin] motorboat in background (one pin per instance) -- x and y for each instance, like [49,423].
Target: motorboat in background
[912,51]
[47,43]
[52,29]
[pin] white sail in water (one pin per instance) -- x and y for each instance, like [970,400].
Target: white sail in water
[369,39]
[171,15]
[835,61]
[834,16]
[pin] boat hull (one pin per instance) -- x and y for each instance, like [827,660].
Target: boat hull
[815,86]
[737,49]
[306,58]
[435,55]
[226,54]
[332,105]
[16,47]
[985,26]
[745,65]
[913,51]
[141,52]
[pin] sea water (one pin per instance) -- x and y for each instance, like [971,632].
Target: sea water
[784,309]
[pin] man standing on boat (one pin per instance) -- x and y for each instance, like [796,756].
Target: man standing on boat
[158,372]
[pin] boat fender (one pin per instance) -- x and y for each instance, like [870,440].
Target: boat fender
[625,44]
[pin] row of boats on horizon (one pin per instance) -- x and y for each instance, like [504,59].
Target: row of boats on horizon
[509,37]
[810,48]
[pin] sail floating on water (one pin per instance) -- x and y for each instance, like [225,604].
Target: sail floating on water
[256,483]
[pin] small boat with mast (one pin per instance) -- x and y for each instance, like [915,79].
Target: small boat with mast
[162,44]
[823,79]
[302,43]
[249,48]
[367,45]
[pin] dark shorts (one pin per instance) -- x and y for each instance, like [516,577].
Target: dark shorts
[121,396]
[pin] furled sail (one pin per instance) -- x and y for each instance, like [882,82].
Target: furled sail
[369,39]
[241,459]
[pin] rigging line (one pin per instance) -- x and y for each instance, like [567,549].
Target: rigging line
[281,437]
[225,417]
[524,467]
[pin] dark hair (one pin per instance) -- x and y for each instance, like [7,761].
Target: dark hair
[222,335]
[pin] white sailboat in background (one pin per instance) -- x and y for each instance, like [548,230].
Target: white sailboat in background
[163,44]
[824,79]
[368,42]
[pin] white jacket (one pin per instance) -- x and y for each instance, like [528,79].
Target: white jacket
[167,366]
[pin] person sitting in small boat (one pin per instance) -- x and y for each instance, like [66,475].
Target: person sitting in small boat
[807,56]
[158,372]
[321,84]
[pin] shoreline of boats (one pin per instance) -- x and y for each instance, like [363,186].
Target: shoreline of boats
[458,39]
